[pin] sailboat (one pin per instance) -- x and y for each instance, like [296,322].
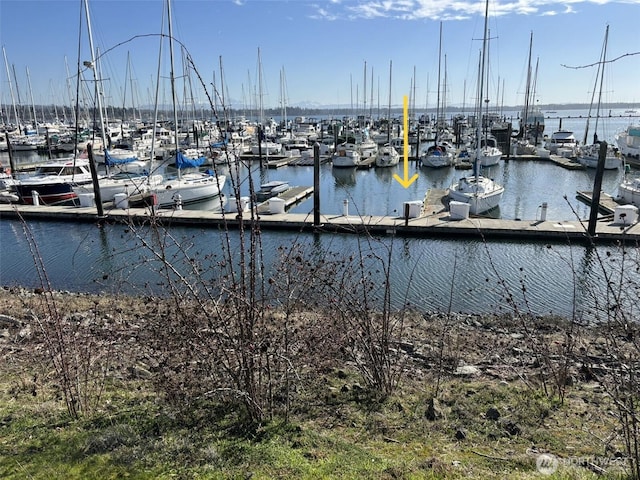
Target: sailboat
[481,193]
[440,154]
[588,155]
[183,187]
[531,118]
[387,155]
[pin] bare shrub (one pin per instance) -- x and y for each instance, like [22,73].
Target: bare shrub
[70,347]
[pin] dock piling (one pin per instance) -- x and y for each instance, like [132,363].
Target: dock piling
[316,184]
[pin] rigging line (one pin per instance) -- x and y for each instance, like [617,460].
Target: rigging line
[189,58]
[597,63]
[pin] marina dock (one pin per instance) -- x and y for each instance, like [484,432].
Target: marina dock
[434,220]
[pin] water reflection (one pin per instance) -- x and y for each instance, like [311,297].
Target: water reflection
[344,177]
[425,274]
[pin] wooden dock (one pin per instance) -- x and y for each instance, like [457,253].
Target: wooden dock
[290,197]
[607,203]
[432,222]
[567,163]
[280,162]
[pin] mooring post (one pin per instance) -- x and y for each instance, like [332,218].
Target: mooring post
[96,184]
[316,184]
[10,152]
[260,136]
[406,214]
[597,186]
[509,131]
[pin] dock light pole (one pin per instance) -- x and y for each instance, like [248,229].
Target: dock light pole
[597,186]
[316,184]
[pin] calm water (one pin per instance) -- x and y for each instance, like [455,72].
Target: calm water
[429,274]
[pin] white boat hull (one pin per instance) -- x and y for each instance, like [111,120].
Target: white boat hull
[481,193]
[387,156]
[189,188]
[437,161]
[110,187]
[589,157]
[346,158]
[629,141]
[489,156]
[629,192]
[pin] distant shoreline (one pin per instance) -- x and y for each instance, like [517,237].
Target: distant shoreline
[630,110]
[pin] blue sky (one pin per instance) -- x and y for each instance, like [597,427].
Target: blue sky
[320,48]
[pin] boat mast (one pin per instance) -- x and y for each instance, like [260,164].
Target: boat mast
[283,97]
[364,95]
[389,107]
[33,105]
[93,67]
[595,85]
[435,138]
[481,90]
[13,98]
[222,96]
[260,100]
[155,109]
[604,59]
[527,93]
[172,79]
[371,102]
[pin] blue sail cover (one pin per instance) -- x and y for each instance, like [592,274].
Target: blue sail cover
[185,162]
[220,144]
[109,160]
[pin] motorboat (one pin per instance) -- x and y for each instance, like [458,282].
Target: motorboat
[628,141]
[562,142]
[272,189]
[53,182]
[629,191]
[266,148]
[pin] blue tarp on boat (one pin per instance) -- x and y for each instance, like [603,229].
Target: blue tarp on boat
[219,144]
[185,162]
[109,160]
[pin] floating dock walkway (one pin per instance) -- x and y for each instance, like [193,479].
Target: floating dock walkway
[434,220]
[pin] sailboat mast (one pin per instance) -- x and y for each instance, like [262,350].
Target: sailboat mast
[157,95]
[172,77]
[389,108]
[13,98]
[604,59]
[33,105]
[364,93]
[124,92]
[435,140]
[222,86]
[481,89]
[371,102]
[260,90]
[94,69]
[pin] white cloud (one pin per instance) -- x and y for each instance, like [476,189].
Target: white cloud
[445,9]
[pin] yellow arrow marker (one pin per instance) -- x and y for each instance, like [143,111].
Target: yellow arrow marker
[406,181]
